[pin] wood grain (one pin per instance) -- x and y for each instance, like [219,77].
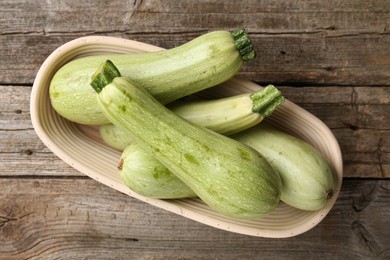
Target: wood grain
[330,57]
[79,218]
[297,59]
[316,43]
[288,16]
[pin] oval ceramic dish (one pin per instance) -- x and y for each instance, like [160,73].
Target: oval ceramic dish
[81,148]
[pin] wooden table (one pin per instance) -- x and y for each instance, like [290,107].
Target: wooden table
[330,57]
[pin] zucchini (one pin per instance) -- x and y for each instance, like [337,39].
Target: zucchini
[225,116]
[168,75]
[227,175]
[144,174]
[308,179]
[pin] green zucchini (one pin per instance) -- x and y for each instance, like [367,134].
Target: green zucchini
[145,175]
[227,175]
[168,75]
[225,116]
[308,179]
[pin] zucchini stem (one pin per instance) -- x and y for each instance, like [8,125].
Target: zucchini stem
[267,100]
[244,44]
[104,75]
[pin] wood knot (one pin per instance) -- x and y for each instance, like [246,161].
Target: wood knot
[28,152]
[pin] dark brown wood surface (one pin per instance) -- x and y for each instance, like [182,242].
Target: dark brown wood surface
[330,57]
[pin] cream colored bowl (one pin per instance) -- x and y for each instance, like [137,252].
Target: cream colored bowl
[80,147]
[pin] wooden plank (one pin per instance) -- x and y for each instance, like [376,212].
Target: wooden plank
[73,218]
[31,163]
[345,107]
[313,43]
[298,59]
[15,108]
[356,115]
[287,16]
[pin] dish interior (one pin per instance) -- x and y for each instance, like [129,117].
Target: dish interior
[81,147]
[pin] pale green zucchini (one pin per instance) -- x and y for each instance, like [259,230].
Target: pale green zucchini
[308,179]
[145,175]
[168,75]
[227,175]
[225,116]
